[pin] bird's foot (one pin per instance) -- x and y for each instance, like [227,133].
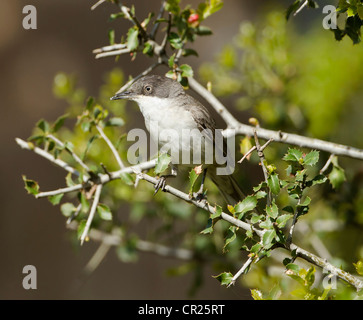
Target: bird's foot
[160,184]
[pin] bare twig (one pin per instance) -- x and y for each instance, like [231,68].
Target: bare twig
[97,4]
[327,164]
[92,212]
[59,191]
[247,154]
[302,7]
[245,266]
[156,25]
[113,47]
[112,53]
[74,156]
[111,146]
[30,146]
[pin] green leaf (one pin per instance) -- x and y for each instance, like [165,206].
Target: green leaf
[273,183]
[209,228]
[67,209]
[248,204]
[224,278]
[171,61]
[336,177]
[268,237]
[231,236]
[218,212]
[84,202]
[175,41]
[189,52]
[306,202]
[162,163]
[256,294]
[311,158]
[172,6]
[104,212]
[80,229]
[282,220]
[293,155]
[292,8]
[293,267]
[193,176]
[187,70]
[59,122]
[43,125]
[31,186]
[127,251]
[272,210]
[359,267]
[111,36]
[132,39]
[54,200]
[127,178]
[203,31]
[115,122]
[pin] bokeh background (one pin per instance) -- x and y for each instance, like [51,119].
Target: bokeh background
[33,231]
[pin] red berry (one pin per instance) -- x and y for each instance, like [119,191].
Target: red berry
[194,17]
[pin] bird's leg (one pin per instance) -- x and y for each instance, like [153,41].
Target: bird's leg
[162,180]
[199,196]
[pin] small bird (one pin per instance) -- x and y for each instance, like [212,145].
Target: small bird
[166,108]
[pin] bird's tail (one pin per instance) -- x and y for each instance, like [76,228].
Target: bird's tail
[227,186]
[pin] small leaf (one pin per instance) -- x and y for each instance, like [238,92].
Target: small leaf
[359,267]
[127,178]
[336,177]
[209,228]
[224,278]
[218,212]
[268,237]
[203,31]
[187,70]
[193,176]
[256,294]
[282,220]
[127,251]
[189,52]
[31,186]
[231,236]
[293,155]
[293,267]
[273,183]
[104,212]
[43,125]
[248,204]
[80,229]
[162,163]
[54,200]
[311,158]
[67,209]
[175,41]
[132,39]
[272,210]
[59,122]
[115,122]
[111,36]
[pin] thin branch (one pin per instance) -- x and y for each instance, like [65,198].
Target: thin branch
[97,258]
[74,156]
[327,164]
[112,53]
[116,239]
[97,4]
[302,7]
[113,47]
[30,146]
[294,139]
[156,25]
[59,191]
[92,212]
[111,146]
[247,154]
[245,266]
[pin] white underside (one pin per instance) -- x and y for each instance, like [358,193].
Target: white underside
[174,128]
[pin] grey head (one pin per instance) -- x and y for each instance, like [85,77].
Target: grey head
[154,86]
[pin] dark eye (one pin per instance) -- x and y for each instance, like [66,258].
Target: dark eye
[148,89]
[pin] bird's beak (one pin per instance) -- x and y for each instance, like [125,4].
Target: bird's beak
[124,95]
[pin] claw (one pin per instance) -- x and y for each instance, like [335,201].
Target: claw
[160,185]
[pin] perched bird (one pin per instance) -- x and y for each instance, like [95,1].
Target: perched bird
[174,117]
